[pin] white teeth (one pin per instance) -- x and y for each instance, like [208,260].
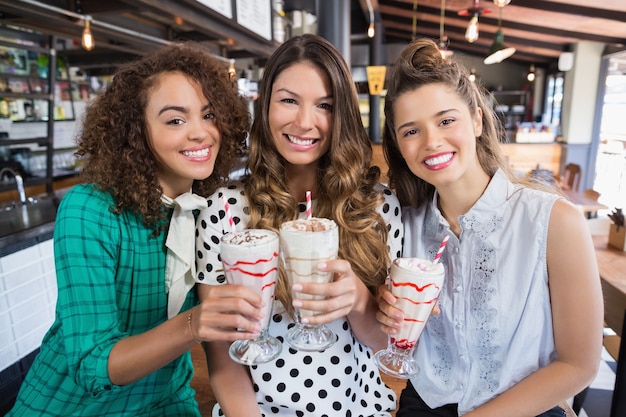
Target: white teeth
[196,154]
[304,142]
[438,160]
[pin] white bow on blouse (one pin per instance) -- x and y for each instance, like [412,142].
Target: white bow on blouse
[180,266]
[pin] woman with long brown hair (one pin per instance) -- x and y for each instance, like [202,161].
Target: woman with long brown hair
[520,326]
[307,135]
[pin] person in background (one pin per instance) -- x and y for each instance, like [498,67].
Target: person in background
[123,244]
[307,135]
[520,323]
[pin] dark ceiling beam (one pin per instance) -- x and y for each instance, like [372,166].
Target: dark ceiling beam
[102,8]
[405,13]
[216,26]
[537,51]
[45,21]
[573,9]
[582,36]
[485,32]
[475,50]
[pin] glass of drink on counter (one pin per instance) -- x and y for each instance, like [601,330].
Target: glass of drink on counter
[304,244]
[416,283]
[250,258]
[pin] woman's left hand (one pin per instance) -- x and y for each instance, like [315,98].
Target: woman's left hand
[338,297]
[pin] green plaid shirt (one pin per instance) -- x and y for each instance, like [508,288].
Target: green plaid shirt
[110,275]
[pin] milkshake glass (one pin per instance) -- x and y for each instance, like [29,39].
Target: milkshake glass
[416,284]
[304,244]
[250,258]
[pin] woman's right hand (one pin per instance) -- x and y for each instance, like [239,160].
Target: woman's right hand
[226,313]
[389,316]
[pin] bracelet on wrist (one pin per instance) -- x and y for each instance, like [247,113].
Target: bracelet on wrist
[190,328]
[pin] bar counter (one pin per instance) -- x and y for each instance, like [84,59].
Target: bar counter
[22,226]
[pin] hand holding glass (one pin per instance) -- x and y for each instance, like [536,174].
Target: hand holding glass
[250,258]
[416,284]
[304,244]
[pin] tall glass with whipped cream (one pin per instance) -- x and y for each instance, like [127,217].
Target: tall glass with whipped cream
[304,244]
[416,283]
[250,258]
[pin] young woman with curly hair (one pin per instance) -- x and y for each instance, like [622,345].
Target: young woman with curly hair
[520,323]
[307,135]
[124,261]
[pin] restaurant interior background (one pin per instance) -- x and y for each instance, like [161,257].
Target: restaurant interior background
[561,96]
[551,39]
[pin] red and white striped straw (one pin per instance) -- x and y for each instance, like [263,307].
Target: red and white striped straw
[229,215]
[309,212]
[441,248]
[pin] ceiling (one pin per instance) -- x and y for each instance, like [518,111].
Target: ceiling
[539,29]
[123,29]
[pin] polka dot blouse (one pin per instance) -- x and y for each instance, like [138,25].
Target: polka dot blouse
[340,381]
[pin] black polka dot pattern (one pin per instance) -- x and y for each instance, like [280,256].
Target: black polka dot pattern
[341,381]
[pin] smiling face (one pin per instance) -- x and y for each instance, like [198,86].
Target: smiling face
[300,114]
[182,132]
[436,135]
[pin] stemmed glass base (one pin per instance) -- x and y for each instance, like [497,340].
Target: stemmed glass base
[263,349]
[397,362]
[310,338]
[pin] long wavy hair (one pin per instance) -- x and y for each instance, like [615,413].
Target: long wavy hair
[346,180]
[420,64]
[113,144]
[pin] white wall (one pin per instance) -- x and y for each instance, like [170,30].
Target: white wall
[28,294]
[581,91]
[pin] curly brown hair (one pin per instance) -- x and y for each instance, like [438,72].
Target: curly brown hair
[113,144]
[346,179]
[420,64]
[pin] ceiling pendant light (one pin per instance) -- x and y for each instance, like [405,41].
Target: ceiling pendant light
[371,30]
[443,39]
[501,3]
[232,72]
[471,34]
[87,38]
[531,74]
[498,51]
[472,76]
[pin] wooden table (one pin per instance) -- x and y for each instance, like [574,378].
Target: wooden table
[612,266]
[587,205]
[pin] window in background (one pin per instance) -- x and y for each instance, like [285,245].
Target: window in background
[610,180]
[554,101]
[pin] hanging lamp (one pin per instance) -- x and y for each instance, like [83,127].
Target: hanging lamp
[472,76]
[472,32]
[87,38]
[443,39]
[371,29]
[531,74]
[498,51]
